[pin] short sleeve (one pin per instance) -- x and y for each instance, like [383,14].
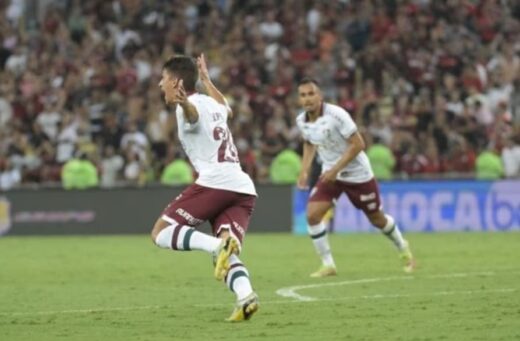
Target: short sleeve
[299,122]
[347,127]
[227,108]
[223,109]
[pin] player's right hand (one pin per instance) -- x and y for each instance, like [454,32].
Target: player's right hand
[203,68]
[303,181]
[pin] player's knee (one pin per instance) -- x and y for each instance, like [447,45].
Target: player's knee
[153,235]
[377,219]
[314,217]
[157,228]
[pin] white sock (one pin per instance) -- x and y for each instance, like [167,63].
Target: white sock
[237,278]
[391,230]
[320,239]
[186,239]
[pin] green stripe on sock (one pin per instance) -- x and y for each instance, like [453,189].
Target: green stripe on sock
[237,274]
[319,235]
[186,242]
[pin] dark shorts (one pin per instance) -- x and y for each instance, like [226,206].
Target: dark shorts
[364,196]
[223,209]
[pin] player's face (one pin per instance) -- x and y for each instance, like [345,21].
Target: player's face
[310,97]
[167,86]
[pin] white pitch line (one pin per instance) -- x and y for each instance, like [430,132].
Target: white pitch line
[299,287]
[324,299]
[378,296]
[290,292]
[386,296]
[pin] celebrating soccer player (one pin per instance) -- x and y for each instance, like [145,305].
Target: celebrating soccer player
[222,194]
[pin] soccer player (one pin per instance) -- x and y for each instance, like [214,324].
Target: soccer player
[329,130]
[222,194]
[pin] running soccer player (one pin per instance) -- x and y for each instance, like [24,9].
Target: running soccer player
[330,131]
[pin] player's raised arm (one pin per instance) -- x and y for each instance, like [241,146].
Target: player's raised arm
[211,89]
[309,151]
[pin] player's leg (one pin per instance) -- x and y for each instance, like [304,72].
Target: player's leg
[366,197]
[314,177]
[174,229]
[386,223]
[320,201]
[388,227]
[169,234]
[232,224]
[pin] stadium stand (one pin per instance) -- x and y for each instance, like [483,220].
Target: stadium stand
[436,81]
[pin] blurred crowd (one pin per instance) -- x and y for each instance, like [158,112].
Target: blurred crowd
[435,82]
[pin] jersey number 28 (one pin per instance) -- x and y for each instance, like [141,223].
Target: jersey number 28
[227,152]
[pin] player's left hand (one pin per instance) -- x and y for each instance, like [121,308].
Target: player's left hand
[329,176]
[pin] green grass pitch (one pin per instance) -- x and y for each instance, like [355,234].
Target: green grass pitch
[466,287]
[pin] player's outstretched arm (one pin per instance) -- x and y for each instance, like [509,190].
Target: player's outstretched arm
[212,90]
[309,151]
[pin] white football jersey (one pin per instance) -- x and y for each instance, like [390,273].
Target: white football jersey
[210,148]
[329,133]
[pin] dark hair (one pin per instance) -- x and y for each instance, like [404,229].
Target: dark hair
[309,80]
[184,68]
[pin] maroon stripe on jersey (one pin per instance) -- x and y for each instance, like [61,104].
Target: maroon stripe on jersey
[176,231]
[231,267]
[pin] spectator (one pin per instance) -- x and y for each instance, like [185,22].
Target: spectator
[382,160]
[111,166]
[135,141]
[511,158]
[79,173]
[272,143]
[177,172]
[384,64]
[135,169]
[285,167]
[9,176]
[461,158]
[6,111]
[66,138]
[489,166]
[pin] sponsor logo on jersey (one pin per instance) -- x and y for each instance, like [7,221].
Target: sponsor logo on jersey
[189,218]
[367,197]
[239,228]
